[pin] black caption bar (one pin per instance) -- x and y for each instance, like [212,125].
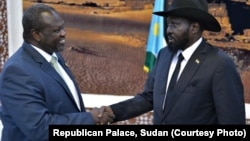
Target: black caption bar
[74,132]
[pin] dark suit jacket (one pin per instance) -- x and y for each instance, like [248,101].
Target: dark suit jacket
[209,91]
[34,96]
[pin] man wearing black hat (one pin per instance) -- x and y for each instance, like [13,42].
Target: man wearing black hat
[206,90]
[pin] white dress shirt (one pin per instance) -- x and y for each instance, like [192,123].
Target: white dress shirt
[187,53]
[65,76]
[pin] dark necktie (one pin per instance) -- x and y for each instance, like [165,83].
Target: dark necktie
[175,74]
[173,80]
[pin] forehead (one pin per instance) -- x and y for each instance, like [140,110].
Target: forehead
[51,17]
[176,19]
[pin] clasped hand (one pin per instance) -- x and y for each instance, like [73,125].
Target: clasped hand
[103,115]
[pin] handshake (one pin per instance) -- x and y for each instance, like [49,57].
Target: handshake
[103,115]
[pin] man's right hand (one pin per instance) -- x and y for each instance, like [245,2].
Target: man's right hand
[103,115]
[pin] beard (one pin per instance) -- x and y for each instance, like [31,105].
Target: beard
[179,44]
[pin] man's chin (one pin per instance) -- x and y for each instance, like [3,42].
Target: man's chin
[172,48]
[61,48]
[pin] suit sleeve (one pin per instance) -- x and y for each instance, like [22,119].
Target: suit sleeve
[228,93]
[26,107]
[140,103]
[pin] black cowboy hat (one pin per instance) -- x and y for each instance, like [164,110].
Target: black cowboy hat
[196,10]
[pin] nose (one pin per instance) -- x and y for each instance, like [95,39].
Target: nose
[63,32]
[169,29]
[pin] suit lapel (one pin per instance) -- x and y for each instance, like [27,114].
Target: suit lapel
[66,68]
[189,71]
[45,66]
[163,76]
[48,69]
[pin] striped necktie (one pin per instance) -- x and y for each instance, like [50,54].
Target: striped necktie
[54,63]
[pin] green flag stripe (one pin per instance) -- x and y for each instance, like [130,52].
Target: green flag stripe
[149,61]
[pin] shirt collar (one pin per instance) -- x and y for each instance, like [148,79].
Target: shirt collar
[43,53]
[187,53]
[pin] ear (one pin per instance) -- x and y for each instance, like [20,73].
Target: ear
[36,35]
[195,27]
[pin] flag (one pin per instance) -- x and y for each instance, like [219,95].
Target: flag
[156,39]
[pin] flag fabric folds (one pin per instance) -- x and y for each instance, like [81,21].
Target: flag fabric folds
[156,39]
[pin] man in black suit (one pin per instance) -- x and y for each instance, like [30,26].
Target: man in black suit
[208,90]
